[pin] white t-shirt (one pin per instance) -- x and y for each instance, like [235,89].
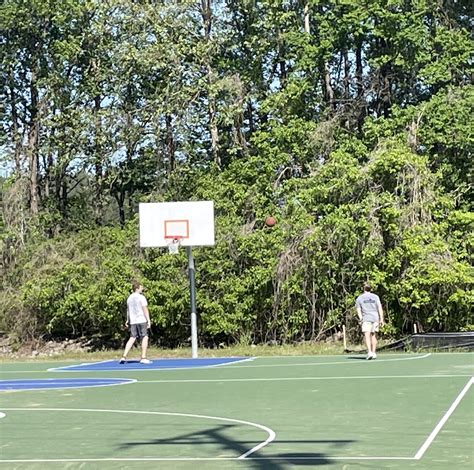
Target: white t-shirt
[135,304]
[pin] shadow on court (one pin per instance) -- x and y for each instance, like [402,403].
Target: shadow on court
[219,436]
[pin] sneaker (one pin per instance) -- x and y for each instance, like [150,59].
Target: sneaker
[369,357]
[374,356]
[145,361]
[123,361]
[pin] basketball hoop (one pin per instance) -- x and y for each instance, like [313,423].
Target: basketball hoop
[173,246]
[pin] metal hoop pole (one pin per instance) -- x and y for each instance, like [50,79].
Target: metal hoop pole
[192,291]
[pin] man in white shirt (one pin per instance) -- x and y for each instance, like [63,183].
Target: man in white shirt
[370,312]
[138,319]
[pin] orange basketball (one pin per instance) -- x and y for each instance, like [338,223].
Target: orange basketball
[270,221]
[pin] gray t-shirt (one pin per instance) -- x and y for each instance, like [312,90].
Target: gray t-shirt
[369,304]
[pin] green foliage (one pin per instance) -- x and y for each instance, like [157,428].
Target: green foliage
[350,123]
[74,286]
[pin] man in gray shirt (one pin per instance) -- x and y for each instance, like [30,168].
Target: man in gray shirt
[370,312]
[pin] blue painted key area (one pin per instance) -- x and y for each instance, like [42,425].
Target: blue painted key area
[157,364]
[46,384]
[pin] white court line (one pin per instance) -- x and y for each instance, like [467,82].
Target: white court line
[283,379]
[82,364]
[452,353]
[443,420]
[248,359]
[270,438]
[385,353]
[270,432]
[75,365]
[351,362]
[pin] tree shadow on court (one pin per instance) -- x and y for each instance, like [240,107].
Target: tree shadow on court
[219,435]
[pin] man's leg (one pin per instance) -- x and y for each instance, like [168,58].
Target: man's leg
[128,346]
[144,346]
[374,343]
[368,342]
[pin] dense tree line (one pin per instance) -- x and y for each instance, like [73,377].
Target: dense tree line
[349,121]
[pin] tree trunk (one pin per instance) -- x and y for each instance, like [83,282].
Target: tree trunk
[98,167]
[33,143]
[61,190]
[347,104]
[306,18]
[120,198]
[15,126]
[361,105]
[281,59]
[64,195]
[206,12]
[387,93]
[170,144]
[48,168]
[327,87]
[347,75]
[250,116]
[214,132]
[384,92]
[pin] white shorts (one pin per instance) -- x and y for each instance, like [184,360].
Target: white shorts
[370,326]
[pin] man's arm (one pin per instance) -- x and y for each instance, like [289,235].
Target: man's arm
[380,309]
[147,315]
[359,312]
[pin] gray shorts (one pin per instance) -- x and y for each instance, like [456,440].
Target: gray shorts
[138,330]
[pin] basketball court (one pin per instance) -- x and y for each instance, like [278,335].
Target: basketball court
[399,411]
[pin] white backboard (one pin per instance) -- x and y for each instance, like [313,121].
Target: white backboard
[191,221]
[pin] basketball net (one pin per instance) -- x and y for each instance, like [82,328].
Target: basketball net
[173,246]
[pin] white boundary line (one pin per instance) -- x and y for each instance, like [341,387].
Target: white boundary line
[66,387]
[270,432]
[247,359]
[283,379]
[383,352]
[347,362]
[443,420]
[271,436]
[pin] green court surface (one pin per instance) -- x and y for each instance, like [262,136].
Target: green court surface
[400,411]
